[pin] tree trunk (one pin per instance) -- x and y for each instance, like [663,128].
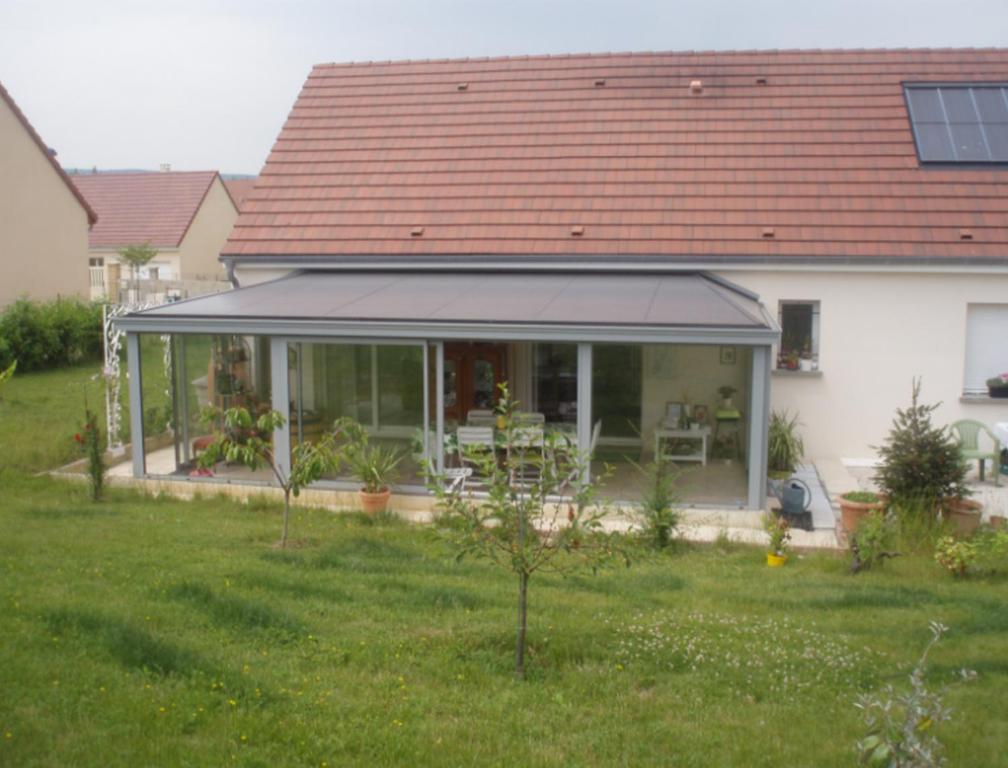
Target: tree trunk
[523,578]
[283,538]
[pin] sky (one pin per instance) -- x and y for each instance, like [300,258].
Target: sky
[207,84]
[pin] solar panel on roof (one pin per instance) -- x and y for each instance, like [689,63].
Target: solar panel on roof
[959,123]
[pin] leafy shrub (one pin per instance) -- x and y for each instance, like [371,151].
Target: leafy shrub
[42,335]
[955,556]
[920,462]
[986,552]
[873,541]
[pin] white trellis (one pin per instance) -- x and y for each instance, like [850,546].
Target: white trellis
[111,371]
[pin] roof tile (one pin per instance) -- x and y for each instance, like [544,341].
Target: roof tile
[148,207]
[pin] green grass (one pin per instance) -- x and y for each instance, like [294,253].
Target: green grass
[142,631]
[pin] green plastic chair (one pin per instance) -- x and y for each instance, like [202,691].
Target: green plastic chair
[967,434]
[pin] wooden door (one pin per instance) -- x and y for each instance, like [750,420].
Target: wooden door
[472,372]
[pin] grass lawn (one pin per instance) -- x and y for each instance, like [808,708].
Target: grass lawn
[143,631]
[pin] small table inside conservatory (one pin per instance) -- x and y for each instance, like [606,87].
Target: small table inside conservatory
[700,435]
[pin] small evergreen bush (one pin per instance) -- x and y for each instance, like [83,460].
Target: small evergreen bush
[921,463]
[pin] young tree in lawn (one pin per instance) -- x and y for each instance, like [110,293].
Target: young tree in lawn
[6,375]
[137,256]
[537,514]
[248,442]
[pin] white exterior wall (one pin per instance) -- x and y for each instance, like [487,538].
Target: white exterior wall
[878,330]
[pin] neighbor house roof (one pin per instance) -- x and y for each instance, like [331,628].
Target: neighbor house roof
[679,156]
[239,189]
[92,217]
[147,207]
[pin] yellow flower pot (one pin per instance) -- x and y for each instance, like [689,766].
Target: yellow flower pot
[775,561]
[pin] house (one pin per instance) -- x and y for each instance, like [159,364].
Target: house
[619,237]
[44,220]
[184,215]
[239,188]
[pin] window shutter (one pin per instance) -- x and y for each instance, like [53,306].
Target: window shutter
[986,345]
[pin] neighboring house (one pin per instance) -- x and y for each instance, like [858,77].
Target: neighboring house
[44,220]
[184,215]
[619,236]
[239,189]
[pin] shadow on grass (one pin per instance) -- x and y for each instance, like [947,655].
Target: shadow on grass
[297,589]
[236,612]
[437,597]
[360,554]
[84,509]
[130,646]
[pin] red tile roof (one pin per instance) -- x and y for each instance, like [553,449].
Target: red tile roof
[510,156]
[135,208]
[239,189]
[6,97]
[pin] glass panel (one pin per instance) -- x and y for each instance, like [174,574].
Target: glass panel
[997,139]
[683,413]
[400,386]
[555,381]
[484,384]
[969,143]
[796,330]
[380,386]
[925,104]
[959,105]
[934,142]
[157,405]
[616,389]
[991,102]
[202,370]
[450,382]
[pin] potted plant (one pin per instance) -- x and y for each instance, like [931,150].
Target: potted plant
[805,359]
[779,531]
[785,447]
[998,385]
[726,391]
[855,505]
[374,467]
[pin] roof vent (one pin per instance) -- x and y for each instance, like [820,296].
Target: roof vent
[577,231]
[417,232]
[768,232]
[462,87]
[696,86]
[599,82]
[761,81]
[965,234]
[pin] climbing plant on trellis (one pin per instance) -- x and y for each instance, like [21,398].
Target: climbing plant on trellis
[112,371]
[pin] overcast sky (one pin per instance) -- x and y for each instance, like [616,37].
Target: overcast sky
[206,84]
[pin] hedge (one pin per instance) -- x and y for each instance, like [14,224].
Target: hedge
[51,334]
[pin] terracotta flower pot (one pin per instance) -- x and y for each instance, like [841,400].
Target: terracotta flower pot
[964,514]
[375,503]
[851,512]
[998,521]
